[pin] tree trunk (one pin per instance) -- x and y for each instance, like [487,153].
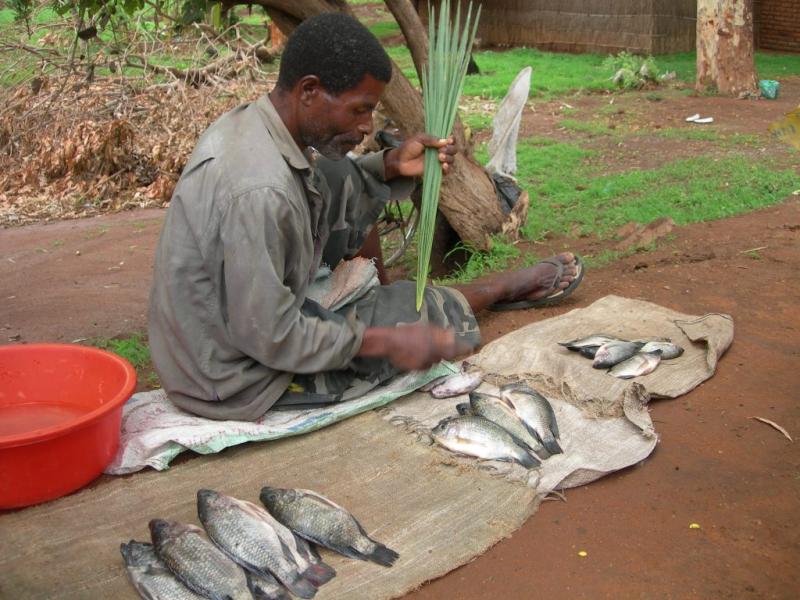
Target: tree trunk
[725,60]
[468,199]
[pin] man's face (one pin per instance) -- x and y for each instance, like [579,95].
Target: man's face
[334,125]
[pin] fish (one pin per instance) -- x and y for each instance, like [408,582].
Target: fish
[463,408]
[611,353]
[252,537]
[668,349]
[588,351]
[641,363]
[266,588]
[196,562]
[433,383]
[536,412]
[150,576]
[457,384]
[500,411]
[596,339]
[320,520]
[480,437]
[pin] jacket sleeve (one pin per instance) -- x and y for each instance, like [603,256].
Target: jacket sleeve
[261,236]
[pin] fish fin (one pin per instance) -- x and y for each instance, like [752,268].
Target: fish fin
[552,446]
[554,426]
[300,586]
[382,555]
[528,461]
[532,431]
[260,594]
[318,572]
[520,442]
[553,421]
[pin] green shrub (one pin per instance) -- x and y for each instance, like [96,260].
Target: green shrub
[632,71]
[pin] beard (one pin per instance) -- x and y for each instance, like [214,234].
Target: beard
[329,145]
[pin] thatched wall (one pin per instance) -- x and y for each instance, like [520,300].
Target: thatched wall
[604,26]
[777,24]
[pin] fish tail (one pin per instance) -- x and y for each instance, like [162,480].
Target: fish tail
[382,555]
[551,445]
[300,586]
[527,460]
[319,574]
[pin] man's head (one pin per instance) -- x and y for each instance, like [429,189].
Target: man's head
[336,48]
[335,70]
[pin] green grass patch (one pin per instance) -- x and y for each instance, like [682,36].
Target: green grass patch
[384,29]
[135,350]
[480,263]
[588,127]
[686,133]
[565,193]
[553,73]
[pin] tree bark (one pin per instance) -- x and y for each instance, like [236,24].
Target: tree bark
[468,199]
[725,54]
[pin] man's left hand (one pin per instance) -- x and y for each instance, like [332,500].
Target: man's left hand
[408,159]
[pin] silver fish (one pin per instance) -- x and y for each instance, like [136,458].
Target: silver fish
[588,351]
[253,538]
[150,576]
[266,588]
[198,563]
[477,436]
[638,364]
[499,410]
[612,353]
[322,521]
[535,412]
[668,349]
[457,384]
[597,339]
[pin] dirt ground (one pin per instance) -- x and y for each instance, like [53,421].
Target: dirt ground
[738,478]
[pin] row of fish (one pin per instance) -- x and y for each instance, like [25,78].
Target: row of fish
[623,358]
[249,551]
[517,424]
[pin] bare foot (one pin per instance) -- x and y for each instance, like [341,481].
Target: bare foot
[539,280]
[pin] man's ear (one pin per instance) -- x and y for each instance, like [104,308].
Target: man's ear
[309,88]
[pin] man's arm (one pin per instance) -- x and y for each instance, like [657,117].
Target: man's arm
[411,347]
[260,232]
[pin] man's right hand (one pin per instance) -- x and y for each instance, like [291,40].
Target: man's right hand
[411,347]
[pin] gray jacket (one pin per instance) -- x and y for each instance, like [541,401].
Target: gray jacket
[245,233]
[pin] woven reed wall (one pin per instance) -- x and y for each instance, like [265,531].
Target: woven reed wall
[603,26]
[777,24]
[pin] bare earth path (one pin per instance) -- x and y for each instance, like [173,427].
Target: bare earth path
[737,478]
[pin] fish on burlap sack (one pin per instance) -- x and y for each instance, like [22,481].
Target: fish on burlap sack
[402,492]
[604,421]
[408,495]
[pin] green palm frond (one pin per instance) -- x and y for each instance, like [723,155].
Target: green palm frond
[442,81]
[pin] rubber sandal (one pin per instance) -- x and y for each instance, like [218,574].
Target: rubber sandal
[553,298]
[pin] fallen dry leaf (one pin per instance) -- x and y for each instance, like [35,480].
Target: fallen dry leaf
[776,426]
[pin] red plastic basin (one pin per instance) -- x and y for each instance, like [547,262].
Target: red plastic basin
[60,412]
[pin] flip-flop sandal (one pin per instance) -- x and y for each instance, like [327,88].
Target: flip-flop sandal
[553,298]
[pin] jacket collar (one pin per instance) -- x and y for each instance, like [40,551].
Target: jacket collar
[283,139]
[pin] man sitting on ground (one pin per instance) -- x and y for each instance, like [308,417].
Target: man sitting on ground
[267,197]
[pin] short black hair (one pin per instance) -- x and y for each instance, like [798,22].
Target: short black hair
[338,49]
